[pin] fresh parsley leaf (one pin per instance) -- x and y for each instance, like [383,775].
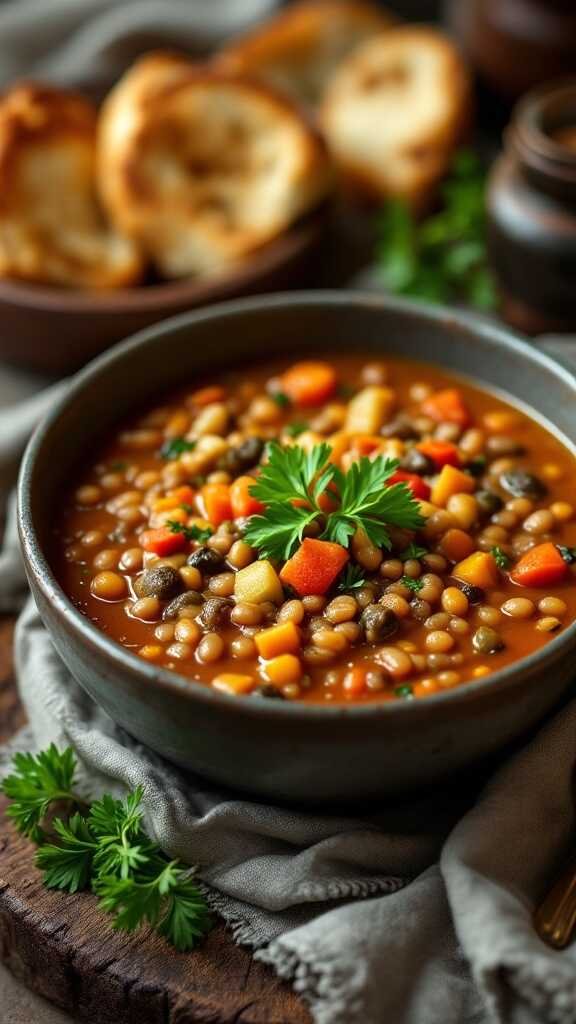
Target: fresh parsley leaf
[38,781]
[412,584]
[296,428]
[167,899]
[176,446]
[500,557]
[367,503]
[189,532]
[351,579]
[443,258]
[291,483]
[281,399]
[68,865]
[106,849]
[413,551]
[568,554]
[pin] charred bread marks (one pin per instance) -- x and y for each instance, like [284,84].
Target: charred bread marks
[51,227]
[201,168]
[298,50]
[395,110]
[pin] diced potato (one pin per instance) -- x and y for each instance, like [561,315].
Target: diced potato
[369,410]
[479,569]
[258,582]
[450,481]
[233,682]
[339,443]
[281,639]
[307,439]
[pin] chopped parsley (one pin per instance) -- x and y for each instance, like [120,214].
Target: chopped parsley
[568,554]
[296,428]
[476,466]
[413,551]
[404,691]
[176,446]
[364,500]
[281,399]
[412,584]
[189,532]
[500,557]
[351,579]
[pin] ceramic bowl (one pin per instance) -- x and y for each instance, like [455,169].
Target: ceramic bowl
[274,749]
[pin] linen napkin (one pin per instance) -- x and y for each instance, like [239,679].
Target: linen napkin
[416,913]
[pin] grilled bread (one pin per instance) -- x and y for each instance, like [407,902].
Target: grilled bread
[298,50]
[201,167]
[51,227]
[395,110]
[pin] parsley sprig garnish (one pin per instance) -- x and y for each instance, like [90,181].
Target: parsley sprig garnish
[292,482]
[568,554]
[189,532]
[413,551]
[351,579]
[105,849]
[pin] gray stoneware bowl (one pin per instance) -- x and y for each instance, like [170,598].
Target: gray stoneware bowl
[272,749]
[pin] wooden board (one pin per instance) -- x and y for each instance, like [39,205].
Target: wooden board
[63,947]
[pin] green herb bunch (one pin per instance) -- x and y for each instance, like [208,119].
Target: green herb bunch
[103,847]
[292,482]
[443,258]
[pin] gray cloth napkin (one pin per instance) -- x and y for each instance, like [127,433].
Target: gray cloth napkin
[417,913]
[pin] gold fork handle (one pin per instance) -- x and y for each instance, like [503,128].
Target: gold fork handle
[555,918]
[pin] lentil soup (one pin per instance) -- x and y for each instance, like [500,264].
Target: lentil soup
[329,531]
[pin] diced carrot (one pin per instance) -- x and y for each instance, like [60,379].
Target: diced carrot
[339,444]
[309,383]
[242,501]
[284,668]
[182,495]
[282,639]
[354,682]
[233,683]
[216,503]
[451,481]
[479,569]
[417,485]
[442,453]
[205,396]
[456,545]
[365,444]
[447,406]
[541,566]
[162,541]
[314,567]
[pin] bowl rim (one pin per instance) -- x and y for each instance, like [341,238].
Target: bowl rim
[144,672]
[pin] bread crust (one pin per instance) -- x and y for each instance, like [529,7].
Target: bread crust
[51,228]
[299,49]
[201,167]
[395,111]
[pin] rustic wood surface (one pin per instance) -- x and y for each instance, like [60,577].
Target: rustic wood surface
[64,949]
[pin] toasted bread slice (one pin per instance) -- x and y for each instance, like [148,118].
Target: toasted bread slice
[51,228]
[395,110]
[206,167]
[298,50]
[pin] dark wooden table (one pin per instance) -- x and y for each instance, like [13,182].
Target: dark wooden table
[63,948]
